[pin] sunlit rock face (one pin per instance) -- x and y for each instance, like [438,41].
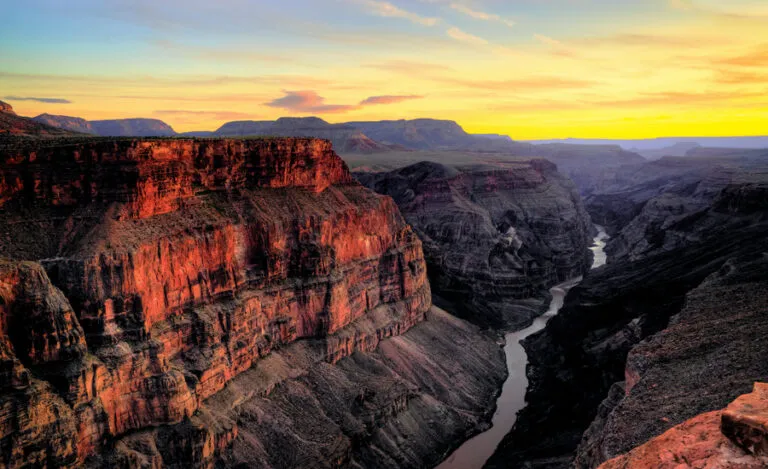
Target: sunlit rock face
[496,236]
[734,437]
[144,276]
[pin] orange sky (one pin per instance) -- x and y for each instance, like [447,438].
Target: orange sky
[528,68]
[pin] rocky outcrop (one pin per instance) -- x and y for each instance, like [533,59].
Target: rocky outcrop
[496,237]
[181,266]
[645,343]
[734,437]
[6,108]
[345,138]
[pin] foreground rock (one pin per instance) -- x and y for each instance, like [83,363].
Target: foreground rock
[179,267]
[734,438]
[646,343]
[493,234]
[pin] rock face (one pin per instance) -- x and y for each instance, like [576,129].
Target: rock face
[493,234]
[345,138]
[651,340]
[180,267]
[733,438]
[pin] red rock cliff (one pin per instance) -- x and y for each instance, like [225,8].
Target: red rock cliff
[182,263]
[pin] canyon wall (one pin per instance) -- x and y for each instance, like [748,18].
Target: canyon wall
[144,278]
[671,328]
[496,236]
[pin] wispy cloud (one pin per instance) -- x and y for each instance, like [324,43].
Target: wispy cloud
[206,114]
[310,102]
[39,100]
[755,58]
[307,101]
[389,10]
[464,36]
[409,67]
[547,40]
[481,15]
[391,99]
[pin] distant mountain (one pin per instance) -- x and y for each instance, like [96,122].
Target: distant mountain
[74,124]
[660,143]
[13,124]
[137,127]
[345,138]
[429,134]
[197,133]
[678,149]
[505,138]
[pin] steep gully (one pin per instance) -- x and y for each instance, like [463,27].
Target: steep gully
[475,452]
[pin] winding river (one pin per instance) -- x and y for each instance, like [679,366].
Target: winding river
[475,452]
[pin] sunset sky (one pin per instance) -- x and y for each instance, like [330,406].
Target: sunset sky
[527,68]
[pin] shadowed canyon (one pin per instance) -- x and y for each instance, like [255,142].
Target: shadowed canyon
[242,298]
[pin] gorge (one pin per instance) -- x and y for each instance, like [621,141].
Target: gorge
[475,452]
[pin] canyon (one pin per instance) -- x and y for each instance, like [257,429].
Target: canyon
[496,237]
[182,303]
[670,329]
[250,302]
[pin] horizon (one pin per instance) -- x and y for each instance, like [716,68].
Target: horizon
[590,69]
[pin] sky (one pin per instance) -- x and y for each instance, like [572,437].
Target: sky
[531,69]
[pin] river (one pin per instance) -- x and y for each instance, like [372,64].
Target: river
[475,452]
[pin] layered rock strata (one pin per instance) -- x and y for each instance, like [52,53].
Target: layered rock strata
[496,237]
[182,265]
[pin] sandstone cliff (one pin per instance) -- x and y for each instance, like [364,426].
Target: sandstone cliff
[656,338]
[180,267]
[496,237]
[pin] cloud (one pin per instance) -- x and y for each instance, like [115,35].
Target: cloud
[547,40]
[388,10]
[755,58]
[530,84]
[408,67]
[389,99]
[463,36]
[481,15]
[209,114]
[310,102]
[39,100]
[307,101]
